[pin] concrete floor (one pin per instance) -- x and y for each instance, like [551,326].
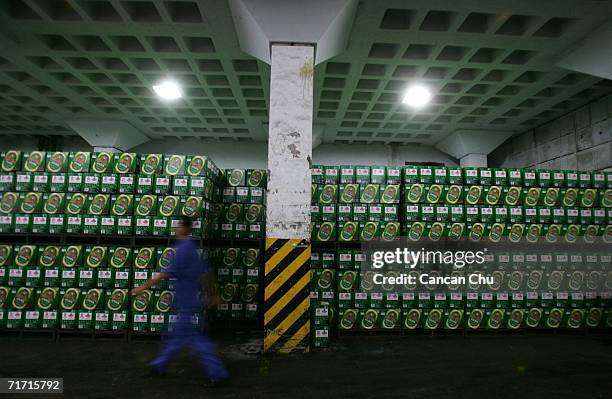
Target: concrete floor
[540,366]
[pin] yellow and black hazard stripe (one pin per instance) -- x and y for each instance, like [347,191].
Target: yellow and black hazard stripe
[287,295]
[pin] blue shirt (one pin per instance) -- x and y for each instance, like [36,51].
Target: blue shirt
[187,268]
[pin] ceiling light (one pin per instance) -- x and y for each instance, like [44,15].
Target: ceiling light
[417,96]
[168,90]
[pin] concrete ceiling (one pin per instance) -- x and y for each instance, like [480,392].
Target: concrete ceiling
[490,64]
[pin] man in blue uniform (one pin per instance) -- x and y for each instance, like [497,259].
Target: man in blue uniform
[187,268]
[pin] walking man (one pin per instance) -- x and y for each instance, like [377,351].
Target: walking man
[187,269]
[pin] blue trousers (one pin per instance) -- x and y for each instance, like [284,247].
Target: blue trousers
[184,335]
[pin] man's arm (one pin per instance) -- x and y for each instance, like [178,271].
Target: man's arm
[150,283]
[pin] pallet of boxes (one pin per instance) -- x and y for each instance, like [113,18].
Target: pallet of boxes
[532,286]
[81,200]
[351,205]
[239,233]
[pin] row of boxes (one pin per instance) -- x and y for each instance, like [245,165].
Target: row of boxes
[348,174]
[99,225]
[244,195]
[108,183]
[484,279]
[469,300]
[499,214]
[106,162]
[508,195]
[92,256]
[457,319]
[103,204]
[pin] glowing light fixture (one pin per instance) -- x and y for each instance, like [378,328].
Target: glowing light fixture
[417,96]
[168,90]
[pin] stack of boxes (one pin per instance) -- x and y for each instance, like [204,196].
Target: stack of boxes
[86,286]
[355,203]
[105,194]
[69,287]
[361,203]
[239,226]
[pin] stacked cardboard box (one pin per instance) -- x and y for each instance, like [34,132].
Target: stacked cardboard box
[239,225]
[474,204]
[86,286]
[105,194]
[238,277]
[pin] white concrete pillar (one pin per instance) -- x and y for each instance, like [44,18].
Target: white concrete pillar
[290,142]
[473,160]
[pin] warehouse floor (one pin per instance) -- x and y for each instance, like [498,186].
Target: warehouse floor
[357,366]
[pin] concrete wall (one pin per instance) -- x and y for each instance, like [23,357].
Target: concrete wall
[240,154]
[579,140]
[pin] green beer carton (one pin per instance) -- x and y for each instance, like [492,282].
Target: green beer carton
[78,162]
[331,174]
[22,223]
[162,184]
[349,320]
[24,181]
[119,257]
[30,202]
[327,194]
[316,173]
[440,175]
[242,195]
[91,182]
[370,193]
[475,195]
[553,317]
[125,225]
[347,174]
[390,194]
[11,161]
[368,231]
[236,177]
[180,185]
[116,299]
[9,203]
[47,298]
[34,161]
[40,224]
[91,224]
[102,162]
[349,193]
[125,163]
[144,184]
[76,203]
[7,181]
[40,182]
[109,183]
[98,204]
[144,258]
[57,162]
[512,195]
[197,165]
[146,205]
[143,302]
[75,182]
[256,178]
[25,255]
[151,164]
[53,203]
[168,206]
[121,205]
[413,319]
